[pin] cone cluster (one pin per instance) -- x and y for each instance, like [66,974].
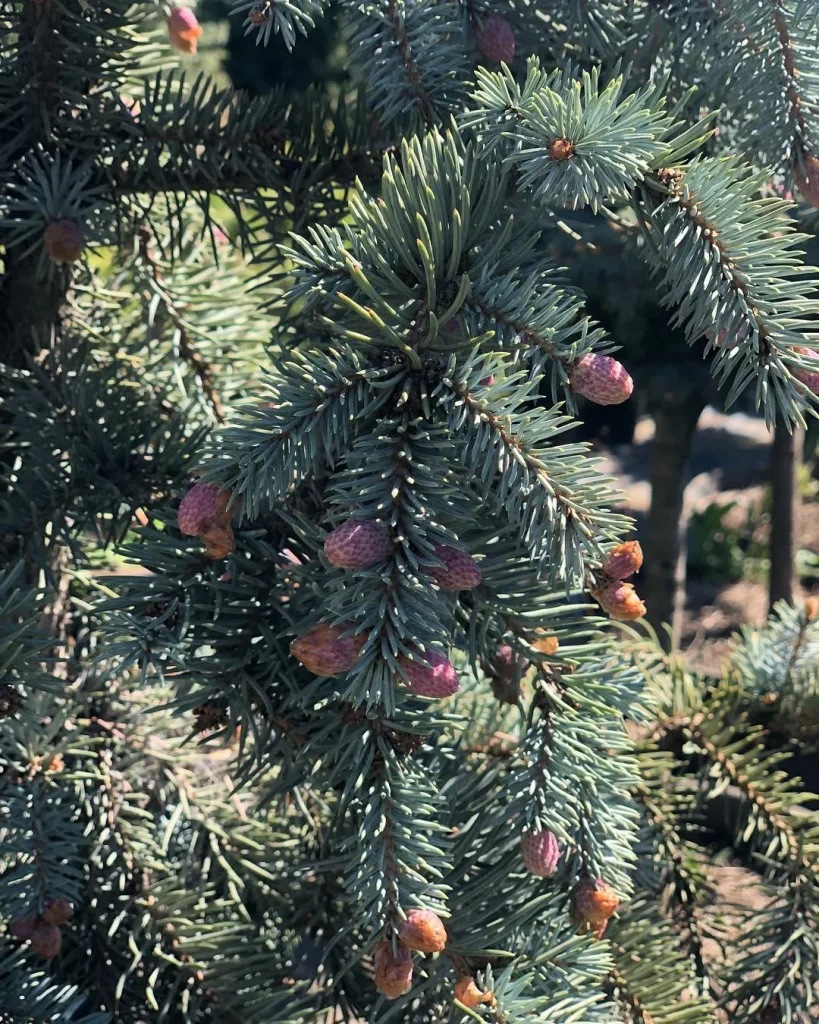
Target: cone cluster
[422,931]
[327,650]
[618,599]
[204,513]
[42,931]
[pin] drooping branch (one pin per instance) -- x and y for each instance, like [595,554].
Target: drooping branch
[203,370]
[792,91]
[410,66]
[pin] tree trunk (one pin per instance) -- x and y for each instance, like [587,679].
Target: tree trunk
[786,457]
[663,577]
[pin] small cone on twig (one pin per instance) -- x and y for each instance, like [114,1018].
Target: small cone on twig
[540,853]
[810,378]
[63,241]
[623,561]
[468,993]
[593,903]
[439,678]
[495,38]
[357,544]
[393,970]
[46,940]
[601,379]
[460,571]
[23,928]
[184,29]
[57,911]
[203,509]
[422,931]
[326,651]
[619,600]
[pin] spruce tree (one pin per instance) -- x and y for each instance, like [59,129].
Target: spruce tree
[365,737]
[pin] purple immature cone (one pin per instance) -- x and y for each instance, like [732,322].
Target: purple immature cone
[460,570]
[504,672]
[437,679]
[357,544]
[810,378]
[540,853]
[601,379]
[496,39]
[203,510]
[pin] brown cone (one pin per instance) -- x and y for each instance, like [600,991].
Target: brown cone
[63,241]
[593,902]
[46,940]
[24,928]
[422,931]
[220,541]
[623,561]
[325,651]
[57,912]
[393,971]
[468,993]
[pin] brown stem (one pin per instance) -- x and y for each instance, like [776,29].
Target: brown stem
[789,70]
[512,445]
[801,863]
[786,457]
[204,371]
[627,997]
[674,182]
[517,325]
[663,587]
[410,66]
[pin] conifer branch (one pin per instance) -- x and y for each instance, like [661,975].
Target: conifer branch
[685,890]
[753,309]
[640,939]
[525,332]
[764,800]
[571,525]
[204,372]
[619,989]
[791,74]
[410,66]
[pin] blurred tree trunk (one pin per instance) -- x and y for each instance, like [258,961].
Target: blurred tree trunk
[786,458]
[663,577]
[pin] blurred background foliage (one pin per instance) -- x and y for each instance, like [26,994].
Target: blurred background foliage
[230,54]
